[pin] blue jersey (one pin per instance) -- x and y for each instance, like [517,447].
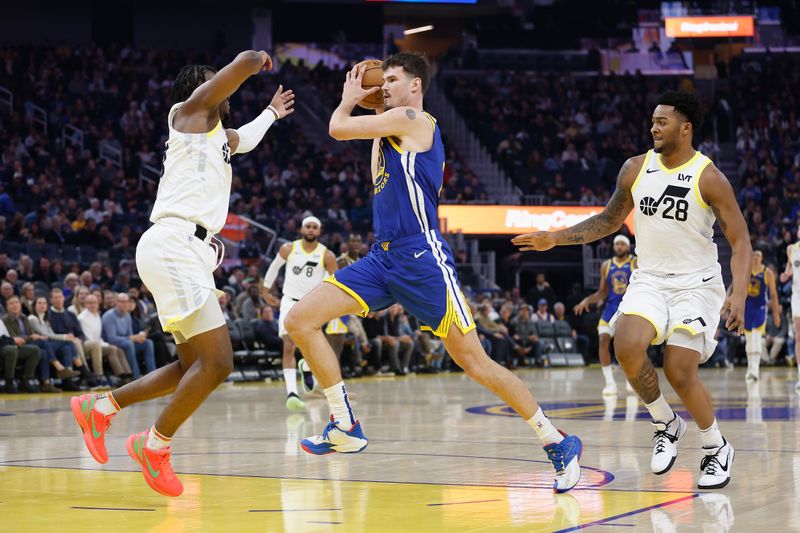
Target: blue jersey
[411,263]
[406,188]
[755,307]
[618,275]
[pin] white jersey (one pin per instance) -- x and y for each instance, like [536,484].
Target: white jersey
[196,183]
[304,270]
[794,258]
[673,224]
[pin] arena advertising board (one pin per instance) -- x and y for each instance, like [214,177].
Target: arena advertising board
[514,219]
[732,26]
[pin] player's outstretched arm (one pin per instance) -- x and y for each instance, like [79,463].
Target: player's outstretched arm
[717,192]
[272,273]
[210,94]
[599,295]
[247,137]
[329,260]
[397,122]
[593,228]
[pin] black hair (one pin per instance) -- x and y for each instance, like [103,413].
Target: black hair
[686,104]
[188,79]
[415,63]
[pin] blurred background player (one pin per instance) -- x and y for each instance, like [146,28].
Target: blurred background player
[676,293]
[614,273]
[410,264]
[792,266]
[755,312]
[307,262]
[176,258]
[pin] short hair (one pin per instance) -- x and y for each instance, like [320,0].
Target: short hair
[415,63]
[12,297]
[684,103]
[55,290]
[188,79]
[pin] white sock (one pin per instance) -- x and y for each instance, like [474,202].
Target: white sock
[660,410]
[753,363]
[608,373]
[156,441]
[712,438]
[290,375]
[340,406]
[545,429]
[105,404]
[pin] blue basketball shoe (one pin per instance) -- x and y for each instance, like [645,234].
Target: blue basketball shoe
[565,456]
[334,439]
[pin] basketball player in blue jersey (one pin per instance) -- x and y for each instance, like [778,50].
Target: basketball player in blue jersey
[755,312]
[411,264]
[615,274]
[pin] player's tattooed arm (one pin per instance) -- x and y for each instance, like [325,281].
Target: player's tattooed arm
[593,228]
[646,383]
[717,192]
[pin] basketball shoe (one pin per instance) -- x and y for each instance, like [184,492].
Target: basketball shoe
[334,439]
[294,403]
[306,377]
[565,456]
[93,425]
[666,448]
[155,465]
[715,467]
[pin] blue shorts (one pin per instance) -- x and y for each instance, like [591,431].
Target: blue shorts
[419,273]
[609,311]
[755,318]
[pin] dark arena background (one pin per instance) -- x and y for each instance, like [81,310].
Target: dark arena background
[539,104]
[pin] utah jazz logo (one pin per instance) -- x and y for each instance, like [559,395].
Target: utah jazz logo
[309,268]
[226,153]
[673,198]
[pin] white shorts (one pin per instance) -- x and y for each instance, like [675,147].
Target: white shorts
[286,304]
[796,303]
[178,268]
[683,302]
[604,328]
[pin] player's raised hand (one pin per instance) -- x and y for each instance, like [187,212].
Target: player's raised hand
[534,242]
[735,307]
[283,102]
[784,277]
[352,91]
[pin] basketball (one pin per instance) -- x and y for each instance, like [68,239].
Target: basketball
[373,77]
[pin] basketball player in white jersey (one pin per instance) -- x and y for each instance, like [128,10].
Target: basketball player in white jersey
[307,262]
[793,271]
[676,293]
[176,258]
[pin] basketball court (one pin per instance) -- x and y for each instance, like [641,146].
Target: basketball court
[444,455]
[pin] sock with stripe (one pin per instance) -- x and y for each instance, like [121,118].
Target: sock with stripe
[340,406]
[545,429]
[105,404]
[290,376]
[156,441]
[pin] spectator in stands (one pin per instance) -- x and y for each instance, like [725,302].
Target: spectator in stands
[63,343]
[65,322]
[401,332]
[523,331]
[27,298]
[775,338]
[6,292]
[151,327]
[92,327]
[266,330]
[502,344]
[542,289]
[118,331]
[542,313]
[12,351]
[109,300]
[25,269]
[45,273]
[79,300]
[252,305]
[582,341]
